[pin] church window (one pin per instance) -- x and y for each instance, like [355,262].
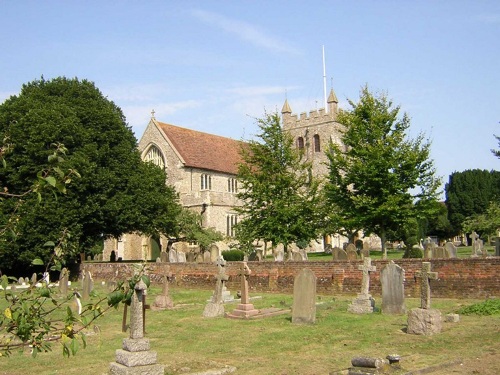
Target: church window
[231,221]
[155,156]
[300,143]
[317,145]
[206,182]
[232,185]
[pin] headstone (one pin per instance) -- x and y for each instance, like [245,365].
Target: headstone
[190,257]
[303,254]
[279,255]
[181,257]
[89,258]
[365,253]
[33,279]
[339,254]
[364,302]
[164,301]
[207,258]
[429,247]
[46,278]
[392,278]
[20,281]
[135,357]
[63,281]
[253,256]
[424,320]
[172,255]
[304,297]
[296,256]
[158,260]
[164,257]
[215,307]
[366,245]
[439,252]
[451,249]
[87,285]
[475,245]
[214,253]
[245,309]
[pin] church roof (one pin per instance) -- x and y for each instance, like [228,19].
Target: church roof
[204,150]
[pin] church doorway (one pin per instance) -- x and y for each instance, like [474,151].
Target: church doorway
[155,247]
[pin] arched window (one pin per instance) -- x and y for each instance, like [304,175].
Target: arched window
[231,221]
[155,156]
[317,145]
[300,143]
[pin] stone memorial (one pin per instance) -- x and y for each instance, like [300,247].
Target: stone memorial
[475,244]
[164,257]
[87,284]
[215,307]
[245,309]
[181,257]
[172,255]
[45,278]
[364,303]
[424,320]
[279,255]
[214,252]
[365,253]
[439,252]
[207,257]
[164,301]
[392,278]
[33,279]
[135,357]
[304,297]
[451,249]
[339,254]
[352,252]
[63,281]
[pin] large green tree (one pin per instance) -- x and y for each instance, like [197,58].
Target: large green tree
[378,175]
[469,193]
[278,192]
[116,193]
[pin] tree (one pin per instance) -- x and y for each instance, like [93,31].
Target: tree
[278,193]
[190,229]
[487,223]
[497,152]
[469,193]
[117,193]
[378,175]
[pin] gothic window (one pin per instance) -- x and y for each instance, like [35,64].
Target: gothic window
[300,143]
[317,145]
[232,185]
[155,156]
[231,221]
[206,182]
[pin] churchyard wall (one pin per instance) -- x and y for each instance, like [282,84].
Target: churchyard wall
[457,278]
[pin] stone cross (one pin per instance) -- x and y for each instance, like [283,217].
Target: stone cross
[366,268]
[136,311]
[425,291]
[244,273]
[474,237]
[221,263]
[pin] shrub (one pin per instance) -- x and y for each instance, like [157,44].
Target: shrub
[413,252]
[233,255]
[488,307]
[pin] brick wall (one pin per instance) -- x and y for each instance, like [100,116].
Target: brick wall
[458,278]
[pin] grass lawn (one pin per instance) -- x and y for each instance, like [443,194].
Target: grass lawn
[186,342]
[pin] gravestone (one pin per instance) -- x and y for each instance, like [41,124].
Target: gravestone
[215,307]
[172,255]
[364,302]
[439,252]
[366,245]
[214,253]
[279,255]
[63,281]
[253,256]
[365,253]
[46,278]
[190,257]
[339,254]
[33,279]
[303,253]
[20,281]
[429,247]
[164,301]
[475,245]
[296,256]
[199,258]
[207,257]
[352,252]
[135,357]
[392,278]
[87,285]
[245,309]
[304,297]
[181,257]
[164,257]
[424,320]
[451,249]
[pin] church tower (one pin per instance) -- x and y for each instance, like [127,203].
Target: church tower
[313,132]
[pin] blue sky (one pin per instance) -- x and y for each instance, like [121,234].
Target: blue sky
[215,66]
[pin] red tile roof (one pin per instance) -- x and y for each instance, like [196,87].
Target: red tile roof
[203,150]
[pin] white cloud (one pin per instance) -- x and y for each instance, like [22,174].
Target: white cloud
[245,31]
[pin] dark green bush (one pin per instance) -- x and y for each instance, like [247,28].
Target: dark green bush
[413,252]
[488,307]
[233,255]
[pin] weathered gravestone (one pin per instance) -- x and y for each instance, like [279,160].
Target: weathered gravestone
[164,257]
[87,284]
[215,307]
[245,309]
[135,357]
[164,301]
[63,281]
[172,255]
[181,257]
[304,297]
[279,255]
[296,256]
[339,254]
[424,320]
[475,244]
[439,252]
[352,252]
[364,302]
[451,249]
[392,278]
[206,257]
[214,252]
[33,279]
[365,253]
[429,247]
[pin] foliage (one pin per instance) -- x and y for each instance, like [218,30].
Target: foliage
[117,193]
[278,192]
[378,175]
[488,307]
[190,229]
[234,255]
[469,193]
[413,252]
[497,152]
[487,224]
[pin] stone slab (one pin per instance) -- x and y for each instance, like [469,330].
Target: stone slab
[136,345]
[119,369]
[134,359]
[424,321]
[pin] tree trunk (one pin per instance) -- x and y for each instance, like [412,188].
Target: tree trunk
[382,238]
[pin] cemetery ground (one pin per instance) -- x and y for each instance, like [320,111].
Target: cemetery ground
[188,343]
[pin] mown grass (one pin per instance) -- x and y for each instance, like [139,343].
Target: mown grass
[187,342]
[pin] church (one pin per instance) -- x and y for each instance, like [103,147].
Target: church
[203,168]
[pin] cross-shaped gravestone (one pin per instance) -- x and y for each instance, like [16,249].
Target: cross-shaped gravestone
[366,268]
[244,273]
[425,275]
[137,312]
